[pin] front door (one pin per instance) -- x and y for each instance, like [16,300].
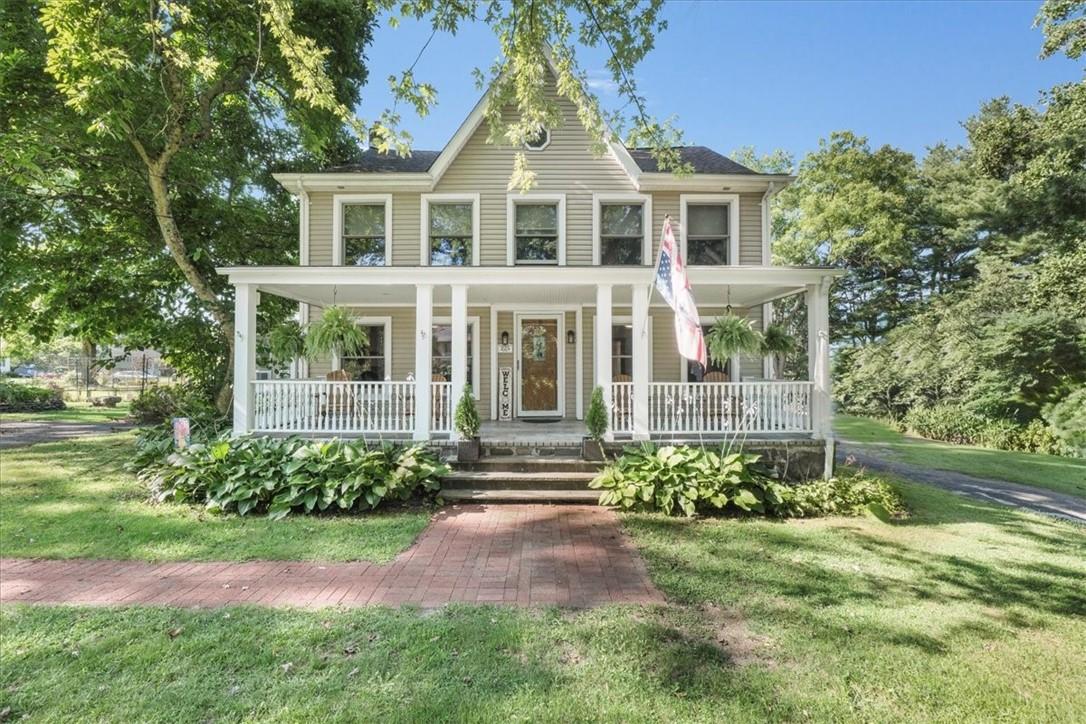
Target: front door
[538,365]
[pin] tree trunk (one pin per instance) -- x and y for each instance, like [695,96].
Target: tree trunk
[156,179]
[89,352]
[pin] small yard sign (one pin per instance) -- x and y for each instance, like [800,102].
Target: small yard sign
[180,432]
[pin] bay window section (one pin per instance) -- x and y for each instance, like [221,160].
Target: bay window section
[536,233]
[451,234]
[364,234]
[370,364]
[707,234]
[621,234]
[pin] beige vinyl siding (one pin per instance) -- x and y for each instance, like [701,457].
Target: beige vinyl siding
[402,351]
[320,229]
[750,229]
[565,166]
[405,229]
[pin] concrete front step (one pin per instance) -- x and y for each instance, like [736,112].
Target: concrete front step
[527,464]
[501,480]
[522,496]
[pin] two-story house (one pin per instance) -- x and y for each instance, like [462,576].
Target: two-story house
[531,298]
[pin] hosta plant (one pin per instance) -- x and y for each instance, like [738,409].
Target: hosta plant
[688,479]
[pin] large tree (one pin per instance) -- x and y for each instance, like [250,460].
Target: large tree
[139,138]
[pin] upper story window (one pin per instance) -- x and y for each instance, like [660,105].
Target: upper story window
[710,229]
[536,228]
[450,234]
[361,229]
[363,234]
[539,141]
[707,234]
[622,233]
[450,229]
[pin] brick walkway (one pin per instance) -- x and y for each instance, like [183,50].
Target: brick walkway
[523,555]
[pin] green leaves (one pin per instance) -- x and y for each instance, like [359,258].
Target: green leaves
[595,418]
[466,417]
[731,336]
[335,333]
[282,476]
[688,479]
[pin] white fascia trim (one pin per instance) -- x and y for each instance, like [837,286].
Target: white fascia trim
[386,322]
[424,216]
[303,225]
[339,201]
[646,222]
[710,182]
[732,200]
[498,276]
[511,201]
[355,181]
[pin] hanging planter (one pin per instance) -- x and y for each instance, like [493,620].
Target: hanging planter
[731,336]
[334,334]
[286,342]
[777,344]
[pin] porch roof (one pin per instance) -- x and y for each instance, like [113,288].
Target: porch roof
[742,286]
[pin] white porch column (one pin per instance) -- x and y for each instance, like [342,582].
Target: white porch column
[640,311]
[459,344]
[818,365]
[246,298]
[602,347]
[424,327]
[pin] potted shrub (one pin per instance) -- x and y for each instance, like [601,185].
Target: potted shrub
[334,334]
[595,422]
[467,422]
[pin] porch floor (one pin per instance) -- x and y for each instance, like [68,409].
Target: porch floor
[522,432]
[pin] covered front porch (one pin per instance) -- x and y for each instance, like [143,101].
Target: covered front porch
[574,313]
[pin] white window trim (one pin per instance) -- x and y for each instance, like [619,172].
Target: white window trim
[537,149]
[473,324]
[646,223]
[734,362]
[386,322]
[341,200]
[424,215]
[628,319]
[732,200]
[511,201]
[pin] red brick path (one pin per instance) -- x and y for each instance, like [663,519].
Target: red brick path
[523,555]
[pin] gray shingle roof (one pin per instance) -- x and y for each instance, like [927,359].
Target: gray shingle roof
[703,159]
[373,162]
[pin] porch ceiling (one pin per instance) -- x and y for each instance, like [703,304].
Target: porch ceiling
[547,286]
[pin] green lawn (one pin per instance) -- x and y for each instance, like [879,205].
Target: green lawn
[74,500]
[74,412]
[962,612]
[1061,474]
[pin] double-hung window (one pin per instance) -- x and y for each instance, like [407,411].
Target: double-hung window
[710,229]
[371,362]
[451,234]
[363,234]
[621,230]
[707,234]
[536,229]
[441,352]
[360,230]
[622,351]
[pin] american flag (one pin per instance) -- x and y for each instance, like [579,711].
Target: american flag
[674,287]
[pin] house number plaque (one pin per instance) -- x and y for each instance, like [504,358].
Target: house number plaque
[505,393]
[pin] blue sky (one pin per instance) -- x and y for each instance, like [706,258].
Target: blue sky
[903,73]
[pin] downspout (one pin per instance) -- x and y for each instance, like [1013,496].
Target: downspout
[769,370]
[301,365]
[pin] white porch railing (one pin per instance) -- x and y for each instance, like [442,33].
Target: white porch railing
[330,407]
[679,408]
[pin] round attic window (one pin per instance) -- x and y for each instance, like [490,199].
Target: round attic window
[539,141]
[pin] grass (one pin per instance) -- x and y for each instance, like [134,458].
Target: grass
[75,500]
[74,412]
[1061,474]
[962,612]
